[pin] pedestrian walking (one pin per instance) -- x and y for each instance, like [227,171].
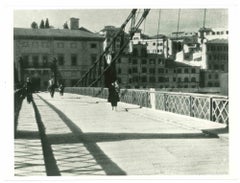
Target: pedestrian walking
[51,87]
[113,96]
[28,90]
[61,89]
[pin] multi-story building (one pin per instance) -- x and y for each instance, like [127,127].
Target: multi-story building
[74,49]
[109,32]
[140,69]
[154,44]
[216,55]
[207,34]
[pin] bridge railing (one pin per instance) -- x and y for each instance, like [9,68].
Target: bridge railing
[209,107]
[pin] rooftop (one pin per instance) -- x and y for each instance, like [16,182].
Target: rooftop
[57,33]
[219,41]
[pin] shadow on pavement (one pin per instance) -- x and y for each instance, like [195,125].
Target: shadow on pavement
[216,131]
[27,135]
[110,137]
[102,159]
[50,162]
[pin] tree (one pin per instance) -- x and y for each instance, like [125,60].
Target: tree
[47,24]
[65,25]
[41,24]
[34,25]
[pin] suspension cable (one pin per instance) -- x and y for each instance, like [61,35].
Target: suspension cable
[133,12]
[144,15]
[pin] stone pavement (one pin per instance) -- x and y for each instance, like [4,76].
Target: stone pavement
[81,135]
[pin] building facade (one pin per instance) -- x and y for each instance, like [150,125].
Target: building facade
[75,51]
[140,69]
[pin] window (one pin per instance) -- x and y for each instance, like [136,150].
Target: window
[152,70]
[209,76]
[35,61]
[135,79]
[160,70]
[144,79]
[144,70]
[93,45]
[216,84]
[209,84]
[152,61]
[160,61]
[129,71]
[154,44]
[135,52]
[179,79]
[174,79]
[193,79]
[161,79]
[185,79]
[222,67]
[73,60]
[186,70]
[45,60]
[60,45]
[60,60]
[166,70]
[134,61]
[73,45]
[193,70]
[134,70]
[25,60]
[216,76]
[144,52]
[216,67]
[25,44]
[144,61]
[166,79]
[179,70]
[152,79]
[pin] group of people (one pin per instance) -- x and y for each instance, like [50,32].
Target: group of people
[113,91]
[27,89]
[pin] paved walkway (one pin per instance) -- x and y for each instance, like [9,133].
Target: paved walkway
[82,136]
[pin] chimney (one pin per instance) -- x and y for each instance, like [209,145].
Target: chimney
[74,23]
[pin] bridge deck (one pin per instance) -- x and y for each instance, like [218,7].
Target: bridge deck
[81,135]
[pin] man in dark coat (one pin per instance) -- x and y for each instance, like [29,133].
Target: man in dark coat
[28,89]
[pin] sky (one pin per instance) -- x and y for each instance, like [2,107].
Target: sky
[96,19]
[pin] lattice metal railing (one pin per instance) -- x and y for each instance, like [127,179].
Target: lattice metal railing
[138,97]
[201,107]
[179,104]
[214,108]
[220,110]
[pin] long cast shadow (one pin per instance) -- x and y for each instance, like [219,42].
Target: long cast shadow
[50,162]
[111,137]
[102,159]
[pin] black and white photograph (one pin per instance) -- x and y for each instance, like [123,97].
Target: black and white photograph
[120,92]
